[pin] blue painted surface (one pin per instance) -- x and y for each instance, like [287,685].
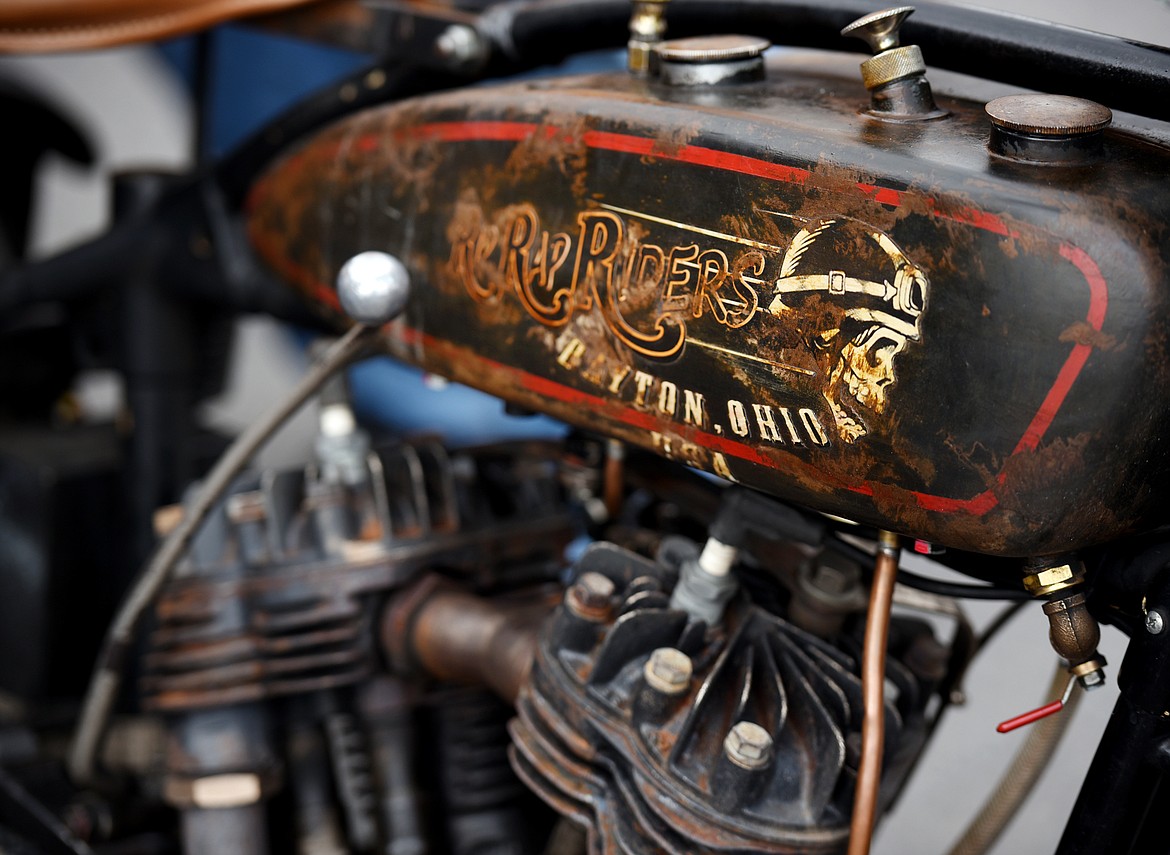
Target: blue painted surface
[255,77]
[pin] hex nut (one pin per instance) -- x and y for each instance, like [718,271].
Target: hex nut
[1051,579]
[1092,680]
[668,671]
[591,596]
[1090,673]
[748,746]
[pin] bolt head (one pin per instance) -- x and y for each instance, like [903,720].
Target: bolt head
[591,596]
[1092,680]
[373,287]
[461,46]
[748,745]
[831,580]
[668,671]
[1155,622]
[596,589]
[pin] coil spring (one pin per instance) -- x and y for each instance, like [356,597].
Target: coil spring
[355,779]
[483,796]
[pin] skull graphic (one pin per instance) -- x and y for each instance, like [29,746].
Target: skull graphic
[868,299]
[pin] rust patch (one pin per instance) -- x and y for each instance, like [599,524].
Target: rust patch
[1083,333]
[1028,474]
[559,143]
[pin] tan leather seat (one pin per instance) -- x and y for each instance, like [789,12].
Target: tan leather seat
[28,26]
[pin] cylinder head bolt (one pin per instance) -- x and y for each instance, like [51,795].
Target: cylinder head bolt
[896,74]
[668,671]
[591,597]
[748,746]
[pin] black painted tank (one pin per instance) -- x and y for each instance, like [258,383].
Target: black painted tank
[882,321]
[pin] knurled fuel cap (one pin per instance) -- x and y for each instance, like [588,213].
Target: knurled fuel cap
[1048,115]
[713,49]
[707,60]
[1047,129]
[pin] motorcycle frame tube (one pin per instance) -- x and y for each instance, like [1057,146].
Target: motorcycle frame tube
[1124,796]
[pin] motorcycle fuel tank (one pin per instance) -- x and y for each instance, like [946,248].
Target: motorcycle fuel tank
[884,321]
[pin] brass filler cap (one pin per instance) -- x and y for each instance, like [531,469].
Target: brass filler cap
[1049,115]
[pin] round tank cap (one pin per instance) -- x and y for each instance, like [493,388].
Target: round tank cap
[713,49]
[1049,115]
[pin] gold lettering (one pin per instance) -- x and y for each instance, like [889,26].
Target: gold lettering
[598,243]
[644,381]
[751,262]
[661,442]
[551,307]
[694,408]
[667,397]
[518,238]
[720,467]
[619,377]
[680,267]
[601,238]
[712,272]
[766,419]
[571,354]
[647,256]
[611,266]
[816,430]
[738,416]
[595,373]
[472,252]
[542,271]
[796,440]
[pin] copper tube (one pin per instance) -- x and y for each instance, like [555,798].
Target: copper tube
[454,635]
[873,675]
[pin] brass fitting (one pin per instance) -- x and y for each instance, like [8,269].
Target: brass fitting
[896,74]
[1049,580]
[647,28]
[1074,632]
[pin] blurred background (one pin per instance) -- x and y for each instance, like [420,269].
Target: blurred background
[134,105]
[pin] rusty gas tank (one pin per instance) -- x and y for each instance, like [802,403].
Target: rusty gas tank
[884,321]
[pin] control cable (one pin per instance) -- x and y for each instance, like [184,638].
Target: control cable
[107,677]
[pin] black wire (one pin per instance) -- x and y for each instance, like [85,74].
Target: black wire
[993,628]
[961,590]
[958,590]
